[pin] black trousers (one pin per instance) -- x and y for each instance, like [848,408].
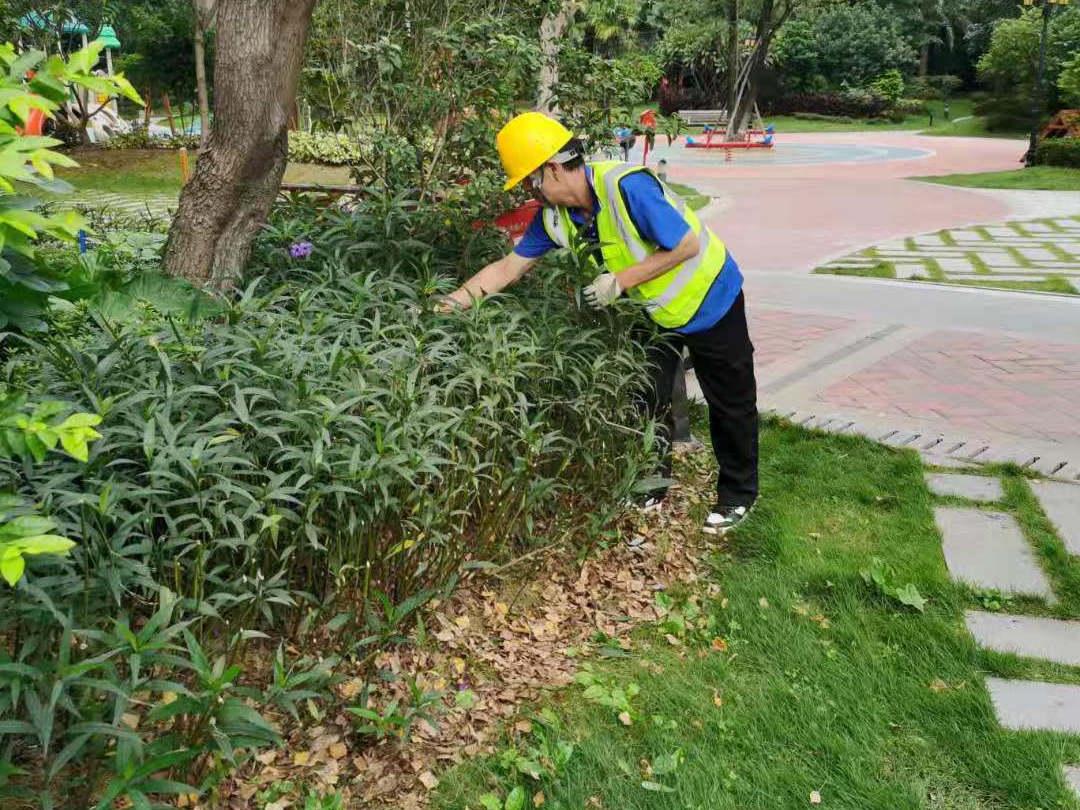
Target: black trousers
[723,358]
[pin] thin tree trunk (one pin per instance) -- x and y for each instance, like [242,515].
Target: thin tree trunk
[258,55]
[732,54]
[767,27]
[200,83]
[552,29]
[924,59]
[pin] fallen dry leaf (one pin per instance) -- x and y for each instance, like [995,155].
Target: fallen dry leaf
[338,750]
[938,685]
[719,645]
[815,797]
[717,700]
[301,757]
[625,719]
[428,780]
[763,602]
[538,799]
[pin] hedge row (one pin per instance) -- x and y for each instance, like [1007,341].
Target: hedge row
[327,148]
[1059,152]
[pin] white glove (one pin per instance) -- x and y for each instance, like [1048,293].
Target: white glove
[604,290]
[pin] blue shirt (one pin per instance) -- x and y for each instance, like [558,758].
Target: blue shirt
[657,221]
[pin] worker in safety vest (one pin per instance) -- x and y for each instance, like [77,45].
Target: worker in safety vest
[656,251]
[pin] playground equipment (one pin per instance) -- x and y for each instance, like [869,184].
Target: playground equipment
[747,141]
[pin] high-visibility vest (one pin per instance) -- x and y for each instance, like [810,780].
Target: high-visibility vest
[672,299]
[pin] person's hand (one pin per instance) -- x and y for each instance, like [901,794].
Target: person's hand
[445,304]
[604,290]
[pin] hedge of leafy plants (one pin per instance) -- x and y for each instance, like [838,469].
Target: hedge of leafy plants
[141,139]
[1059,152]
[326,148]
[321,458]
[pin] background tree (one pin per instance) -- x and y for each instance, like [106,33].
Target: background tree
[260,50]
[1011,63]
[205,12]
[158,56]
[820,49]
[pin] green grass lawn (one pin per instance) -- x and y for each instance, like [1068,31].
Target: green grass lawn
[694,198]
[1048,178]
[822,689]
[141,172]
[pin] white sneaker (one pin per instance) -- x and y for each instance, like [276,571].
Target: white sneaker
[722,519]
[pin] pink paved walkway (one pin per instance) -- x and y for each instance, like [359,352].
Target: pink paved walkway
[794,217]
[914,359]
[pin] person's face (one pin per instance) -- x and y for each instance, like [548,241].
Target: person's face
[551,184]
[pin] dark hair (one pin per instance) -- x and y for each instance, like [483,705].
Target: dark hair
[575,146]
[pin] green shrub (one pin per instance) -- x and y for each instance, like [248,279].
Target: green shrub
[911,106]
[327,148]
[1059,152]
[329,452]
[930,88]
[141,139]
[889,86]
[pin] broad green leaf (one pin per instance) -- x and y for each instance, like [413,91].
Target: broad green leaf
[489,801]
[12,565]
[909,595]
[657,787]
[46,544]
[516,799]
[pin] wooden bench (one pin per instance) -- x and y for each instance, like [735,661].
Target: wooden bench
[700,117]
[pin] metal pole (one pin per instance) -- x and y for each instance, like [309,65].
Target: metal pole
[1037,98]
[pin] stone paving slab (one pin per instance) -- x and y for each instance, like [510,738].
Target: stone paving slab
[1030,636]
[973,487]
[1072,778]
[1036,706]
[1040,248]
[1061,503]
[987,550]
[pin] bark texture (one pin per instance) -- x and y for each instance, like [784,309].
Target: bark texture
[553,28]
[258,55]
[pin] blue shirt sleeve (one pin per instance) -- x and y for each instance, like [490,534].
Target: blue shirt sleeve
[656,219]
[535,243]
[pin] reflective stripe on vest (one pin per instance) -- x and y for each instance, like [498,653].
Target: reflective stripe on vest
[673,299]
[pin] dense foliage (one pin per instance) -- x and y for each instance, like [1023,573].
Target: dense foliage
[844,44]
[1010,65]
[1059,152]
[328,448]
[24,289]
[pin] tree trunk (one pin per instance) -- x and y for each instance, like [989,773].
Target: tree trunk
[768,24]
[552,29]
[258,55]
[200,84]
[924,59]
[732,54]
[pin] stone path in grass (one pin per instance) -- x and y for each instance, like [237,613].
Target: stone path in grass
[1032,251]
[986,549]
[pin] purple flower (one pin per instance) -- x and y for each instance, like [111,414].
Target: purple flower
[301,250]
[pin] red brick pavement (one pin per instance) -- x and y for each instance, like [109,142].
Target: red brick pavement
[778,334]
[975,381]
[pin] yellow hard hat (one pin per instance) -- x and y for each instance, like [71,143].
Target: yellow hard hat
[527,142]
